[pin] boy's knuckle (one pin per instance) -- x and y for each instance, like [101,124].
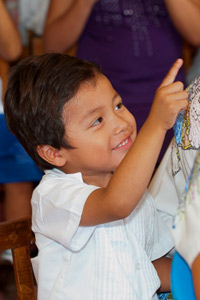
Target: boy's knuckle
[161,93]
[180,85]
[171,107]
[186,94]
[167,98]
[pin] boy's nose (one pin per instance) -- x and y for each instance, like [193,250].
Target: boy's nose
[120,124]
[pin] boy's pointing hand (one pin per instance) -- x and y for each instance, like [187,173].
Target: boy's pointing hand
[173,72]
[170,99]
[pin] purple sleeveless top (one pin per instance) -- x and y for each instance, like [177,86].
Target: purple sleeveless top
[135,44]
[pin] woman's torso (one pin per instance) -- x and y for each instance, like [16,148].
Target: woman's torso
[135,43]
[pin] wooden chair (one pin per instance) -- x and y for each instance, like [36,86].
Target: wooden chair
[18,236]
[4,69]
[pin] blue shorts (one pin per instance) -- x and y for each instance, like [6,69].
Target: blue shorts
[15,164]
[165,296]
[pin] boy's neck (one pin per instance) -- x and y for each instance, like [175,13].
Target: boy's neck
[100,181]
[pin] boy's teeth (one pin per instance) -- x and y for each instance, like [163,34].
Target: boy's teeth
[123,143]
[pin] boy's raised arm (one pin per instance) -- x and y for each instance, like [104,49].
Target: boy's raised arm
[131,178]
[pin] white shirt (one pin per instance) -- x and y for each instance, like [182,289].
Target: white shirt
[105,262]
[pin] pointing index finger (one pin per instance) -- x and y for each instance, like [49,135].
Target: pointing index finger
[171,75]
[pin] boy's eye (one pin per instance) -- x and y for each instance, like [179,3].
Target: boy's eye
[118,106]
[98,121]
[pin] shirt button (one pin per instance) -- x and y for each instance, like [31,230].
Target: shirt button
[138,266]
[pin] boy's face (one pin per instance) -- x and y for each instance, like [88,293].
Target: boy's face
[100,129]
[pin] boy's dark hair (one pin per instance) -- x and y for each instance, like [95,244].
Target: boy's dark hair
[37,90]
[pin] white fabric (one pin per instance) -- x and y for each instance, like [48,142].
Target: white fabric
[106,262]
[186,229]
[1,94]
[32,14]
[168,184]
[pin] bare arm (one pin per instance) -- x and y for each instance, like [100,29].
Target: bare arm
[65,22]
[196,276]
[131,178]
[185,15]
[10,41]
[163,267]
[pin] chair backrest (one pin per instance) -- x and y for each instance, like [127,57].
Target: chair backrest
[36,46]
[18,236]
[4,69]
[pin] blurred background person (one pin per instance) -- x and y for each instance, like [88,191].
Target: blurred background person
[133,41]
[18,173]
[194,69]
[186,231]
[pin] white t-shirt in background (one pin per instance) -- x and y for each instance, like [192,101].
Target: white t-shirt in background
[1,94]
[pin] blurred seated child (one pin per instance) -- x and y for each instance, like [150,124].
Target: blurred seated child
[173,202]
[18,172]
[186,229]
[167,185]
[97,229]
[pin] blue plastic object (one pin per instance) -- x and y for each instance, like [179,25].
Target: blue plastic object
[181,279]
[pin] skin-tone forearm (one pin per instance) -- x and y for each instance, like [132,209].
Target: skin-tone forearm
[10,40]
[185,15]
[138,165]
[127,185]
[196,276]
[65,22]
[163,267]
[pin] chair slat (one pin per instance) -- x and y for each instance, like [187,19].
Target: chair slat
[17,236]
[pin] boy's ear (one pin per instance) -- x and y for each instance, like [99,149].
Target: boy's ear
[51,155]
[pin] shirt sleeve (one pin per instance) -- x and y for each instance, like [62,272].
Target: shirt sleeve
[186,228]
[57,213]
[163,242]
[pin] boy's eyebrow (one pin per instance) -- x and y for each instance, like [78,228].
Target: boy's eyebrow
[92,111]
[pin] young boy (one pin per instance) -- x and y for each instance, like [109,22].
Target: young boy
[96,226]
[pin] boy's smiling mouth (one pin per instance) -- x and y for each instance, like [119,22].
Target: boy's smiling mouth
[124,144]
